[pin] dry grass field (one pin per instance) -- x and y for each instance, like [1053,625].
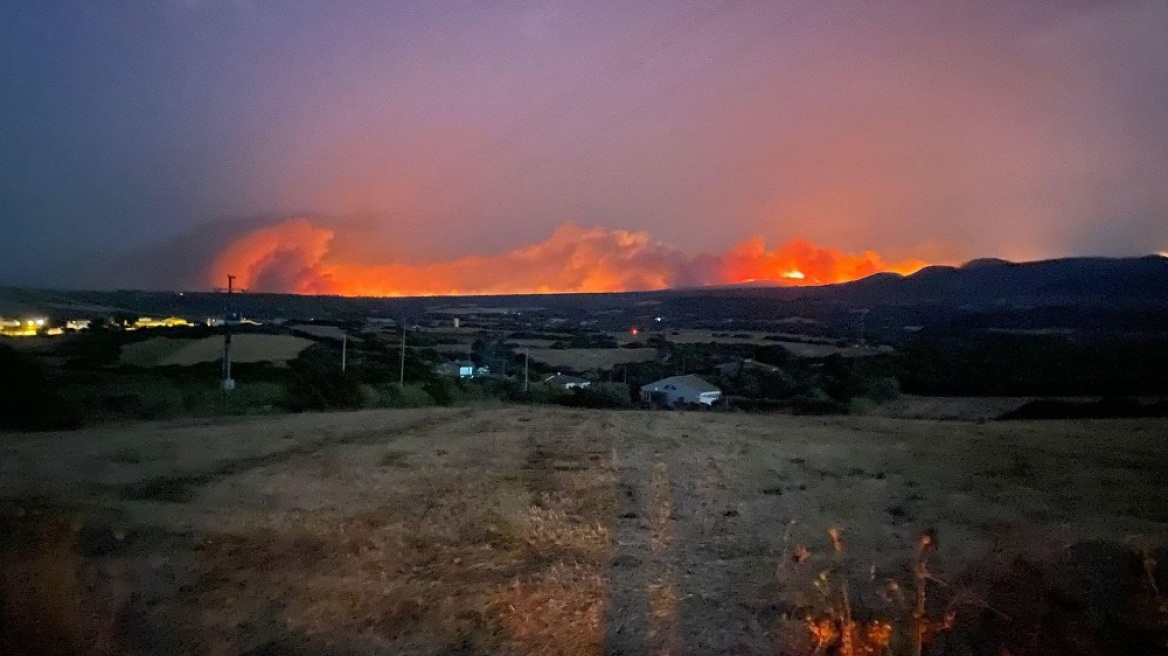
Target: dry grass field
[798,345]
[585,359]
[950,408]
[162,351]
[537,530]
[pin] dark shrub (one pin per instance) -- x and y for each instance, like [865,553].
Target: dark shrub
[315,382]
[609,395]
[442,390]
[28,400]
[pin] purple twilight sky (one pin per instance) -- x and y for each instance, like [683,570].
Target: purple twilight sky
[424,131]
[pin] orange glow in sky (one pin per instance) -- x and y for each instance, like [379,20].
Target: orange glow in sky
[298,256]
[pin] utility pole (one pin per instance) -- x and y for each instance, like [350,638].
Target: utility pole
[402,374]
[228,383]
[863,320]
[344,350]
[526,380]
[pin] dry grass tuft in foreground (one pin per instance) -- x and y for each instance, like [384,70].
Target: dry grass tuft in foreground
[1018,611]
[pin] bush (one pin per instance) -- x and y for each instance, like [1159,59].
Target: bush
[538,393]
[442,390]
[316,383]
[413,396]
[816,402]
[250,397]
[860,405]
[608,395]
[333,391]
[155,399]
[883,390]
[28,400]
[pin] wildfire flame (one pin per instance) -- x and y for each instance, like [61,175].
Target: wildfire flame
[297,256]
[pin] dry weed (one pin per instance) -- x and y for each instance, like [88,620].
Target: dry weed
[837,627]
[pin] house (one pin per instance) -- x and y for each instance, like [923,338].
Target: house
[681,389]
[560,381]
[462,369]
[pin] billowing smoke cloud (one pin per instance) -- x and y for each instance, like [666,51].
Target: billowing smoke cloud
[298,256]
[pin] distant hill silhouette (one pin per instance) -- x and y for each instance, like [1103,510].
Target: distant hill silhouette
[937,293]
[1096,281]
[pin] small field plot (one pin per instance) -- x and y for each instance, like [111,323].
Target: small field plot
[163,351]
[585,359]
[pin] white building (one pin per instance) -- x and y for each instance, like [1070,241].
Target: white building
[462,369]
[681,389]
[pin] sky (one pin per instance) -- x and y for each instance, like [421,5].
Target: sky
[375,147]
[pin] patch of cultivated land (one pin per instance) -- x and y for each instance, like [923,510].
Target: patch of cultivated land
[961,408]
[162,351]
[536,530]
[584,359]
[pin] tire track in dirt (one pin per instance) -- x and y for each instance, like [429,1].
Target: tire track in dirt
[711,553]
[644,595]
[686,542]
[627,612]
[556,602]
[662,584]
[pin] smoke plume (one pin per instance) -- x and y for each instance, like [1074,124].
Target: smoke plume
[298,256]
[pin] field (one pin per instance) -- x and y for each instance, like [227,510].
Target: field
[584,359]
[798,345]
[950,408]
[162,351]
[536,530]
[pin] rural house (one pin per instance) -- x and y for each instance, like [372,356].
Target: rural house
[681,389]
[462,369]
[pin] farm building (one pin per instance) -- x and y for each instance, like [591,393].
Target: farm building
[560,381]
[681,389]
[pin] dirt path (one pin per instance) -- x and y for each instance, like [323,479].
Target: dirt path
[680,536]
